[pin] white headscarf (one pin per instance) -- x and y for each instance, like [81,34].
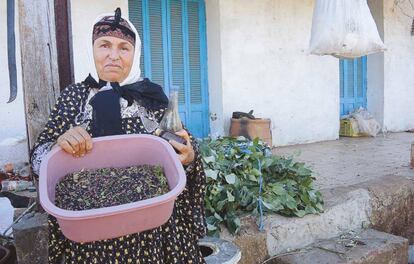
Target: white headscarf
[135,73]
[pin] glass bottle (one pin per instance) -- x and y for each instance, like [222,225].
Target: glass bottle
[171,122]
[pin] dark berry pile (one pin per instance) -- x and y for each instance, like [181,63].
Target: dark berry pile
[97,188]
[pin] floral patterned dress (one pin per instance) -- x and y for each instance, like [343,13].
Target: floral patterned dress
[173,242]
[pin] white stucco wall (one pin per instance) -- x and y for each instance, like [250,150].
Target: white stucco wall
[265,67]
[398,68]
[12,119]
[375,68]
[214,68]
[257,60]
[12,114]
[83,15]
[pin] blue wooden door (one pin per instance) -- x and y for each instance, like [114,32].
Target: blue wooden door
[175,53]
[353,87]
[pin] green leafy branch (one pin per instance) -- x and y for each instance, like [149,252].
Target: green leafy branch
[233,175]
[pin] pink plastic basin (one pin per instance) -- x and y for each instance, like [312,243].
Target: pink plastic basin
[115,221]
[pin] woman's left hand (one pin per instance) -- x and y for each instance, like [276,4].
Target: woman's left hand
[185,152]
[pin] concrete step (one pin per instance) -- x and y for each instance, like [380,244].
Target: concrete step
[385,204]
[368,247]
[345,209]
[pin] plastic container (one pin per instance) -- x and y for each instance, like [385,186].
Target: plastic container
[346,129]
[115,221]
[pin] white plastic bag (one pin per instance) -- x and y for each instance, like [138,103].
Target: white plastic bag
[367,125]
[6,215]
[344,29]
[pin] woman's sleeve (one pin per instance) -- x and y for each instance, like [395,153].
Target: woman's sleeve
[60,120]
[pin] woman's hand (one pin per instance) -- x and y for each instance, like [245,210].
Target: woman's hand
[75,141]
[186,152]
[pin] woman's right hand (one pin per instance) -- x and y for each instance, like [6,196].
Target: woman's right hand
[75,141]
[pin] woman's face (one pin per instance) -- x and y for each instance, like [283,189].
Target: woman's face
[113,58]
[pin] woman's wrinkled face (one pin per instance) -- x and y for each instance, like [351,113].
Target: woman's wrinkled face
[113,58]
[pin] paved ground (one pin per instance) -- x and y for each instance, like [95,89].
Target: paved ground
[353,160]
[336,163]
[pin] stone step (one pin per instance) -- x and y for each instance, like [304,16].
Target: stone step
[385,204]
[345,209]
[31,239]
[368,247]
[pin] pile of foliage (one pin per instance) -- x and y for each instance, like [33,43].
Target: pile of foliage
[233,168]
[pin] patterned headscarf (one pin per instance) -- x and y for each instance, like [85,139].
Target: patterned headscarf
[135,73]
[114,26]
[106,116]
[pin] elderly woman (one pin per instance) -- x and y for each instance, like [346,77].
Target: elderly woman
[122,103]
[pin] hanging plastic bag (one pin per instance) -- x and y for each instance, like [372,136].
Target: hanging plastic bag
[344,29]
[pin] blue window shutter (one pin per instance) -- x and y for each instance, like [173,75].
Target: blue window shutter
[194,51]
[359,80]
[350,76]
[342,86]
[353,84]
[156,42]
[173,33]
[176,40]
[194,61]
[135,16]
